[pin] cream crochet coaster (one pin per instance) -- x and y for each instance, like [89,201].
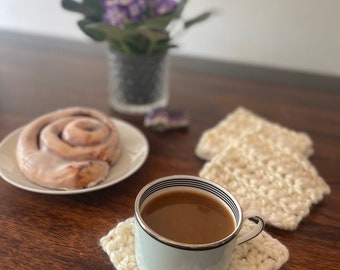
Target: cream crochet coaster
[260,253]
[242,122]
[278,182]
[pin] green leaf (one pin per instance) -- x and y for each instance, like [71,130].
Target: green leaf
[156,38]
[87,26]
[197,19]
[72,5]
[112,31]
[138,43]
[94,9]
[119,39]
[158,22]
[153,34]
[91,9]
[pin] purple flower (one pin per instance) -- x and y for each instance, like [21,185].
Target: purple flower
[162,7]
[117,11]
[110,3]
[135,11]
[115,15]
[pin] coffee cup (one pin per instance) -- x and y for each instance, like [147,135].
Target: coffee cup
[188,223]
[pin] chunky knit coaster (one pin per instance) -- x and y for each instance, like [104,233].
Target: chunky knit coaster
[279,183]
[242,122]
[260,253]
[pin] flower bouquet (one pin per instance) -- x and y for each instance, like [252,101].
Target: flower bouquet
[133,26]
[139,34]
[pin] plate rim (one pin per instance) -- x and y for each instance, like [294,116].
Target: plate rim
[101,185]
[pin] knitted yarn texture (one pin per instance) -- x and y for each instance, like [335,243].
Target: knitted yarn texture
[242,122]
[279,183]
[265,165]
[260,253]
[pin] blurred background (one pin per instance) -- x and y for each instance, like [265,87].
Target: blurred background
[295,36]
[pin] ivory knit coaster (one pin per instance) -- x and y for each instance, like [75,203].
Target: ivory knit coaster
[242,122]
[276,181]
[260,253]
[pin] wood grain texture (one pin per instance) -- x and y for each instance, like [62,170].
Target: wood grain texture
[40,231]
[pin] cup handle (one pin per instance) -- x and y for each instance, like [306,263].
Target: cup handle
[254,216]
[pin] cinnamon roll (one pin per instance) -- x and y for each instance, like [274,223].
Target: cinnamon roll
[67,149]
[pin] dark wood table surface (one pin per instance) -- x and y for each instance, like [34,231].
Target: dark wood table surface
[40,231]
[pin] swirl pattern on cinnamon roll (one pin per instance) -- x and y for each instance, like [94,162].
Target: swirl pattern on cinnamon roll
[71,148]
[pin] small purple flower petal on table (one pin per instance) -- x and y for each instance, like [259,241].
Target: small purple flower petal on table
[162,119]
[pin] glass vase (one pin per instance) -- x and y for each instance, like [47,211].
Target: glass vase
[137,83]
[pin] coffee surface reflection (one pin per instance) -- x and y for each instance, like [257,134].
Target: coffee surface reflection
[188,217]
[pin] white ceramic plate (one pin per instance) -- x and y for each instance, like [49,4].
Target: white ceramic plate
[135,151]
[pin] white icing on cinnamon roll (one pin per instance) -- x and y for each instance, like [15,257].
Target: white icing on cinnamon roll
[71,148]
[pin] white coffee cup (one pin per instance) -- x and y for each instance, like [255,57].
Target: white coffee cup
[155,252]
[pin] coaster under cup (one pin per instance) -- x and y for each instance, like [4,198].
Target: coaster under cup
[261,253]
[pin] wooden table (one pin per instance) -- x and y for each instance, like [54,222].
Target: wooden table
[40,231]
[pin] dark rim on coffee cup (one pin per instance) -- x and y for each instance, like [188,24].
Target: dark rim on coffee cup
[189,182]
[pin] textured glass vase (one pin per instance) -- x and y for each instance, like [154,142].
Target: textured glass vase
[137,83]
